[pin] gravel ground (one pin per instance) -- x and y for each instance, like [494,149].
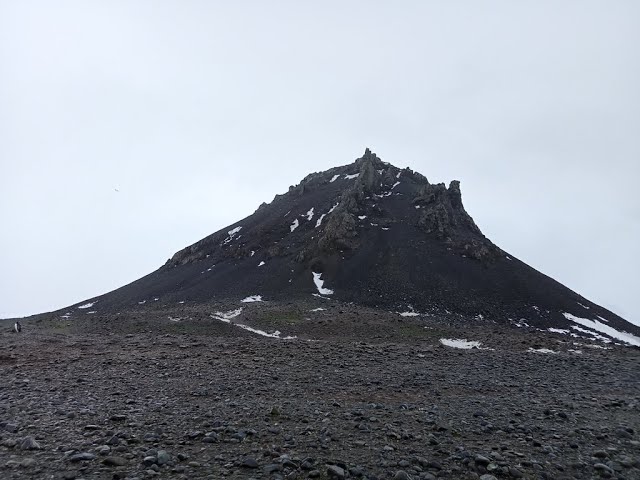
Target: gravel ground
[359,394]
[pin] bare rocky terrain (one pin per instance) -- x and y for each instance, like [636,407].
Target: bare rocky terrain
[359,393]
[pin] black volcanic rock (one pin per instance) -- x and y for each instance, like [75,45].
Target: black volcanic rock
[380,236]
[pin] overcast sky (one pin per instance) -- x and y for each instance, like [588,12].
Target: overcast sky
[198,111]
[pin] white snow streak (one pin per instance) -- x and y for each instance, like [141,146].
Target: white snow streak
[333,208]
[275,334]
[310,214]
[362,217]
[319,309]
[319,283]
[252,298]
[540,350]
[232,234]
[558,330]
[395,185]
[319,222]
[460,343]
[261,264]
[294,225]
[409,313]
[606,329]
[335,177]
[351,177]
[227,316]
[595,335]
[87,305]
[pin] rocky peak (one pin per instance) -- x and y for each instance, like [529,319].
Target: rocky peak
[342,198]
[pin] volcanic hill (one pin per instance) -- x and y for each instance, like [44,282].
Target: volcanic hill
[377,236]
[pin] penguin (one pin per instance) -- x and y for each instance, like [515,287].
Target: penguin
[17,327]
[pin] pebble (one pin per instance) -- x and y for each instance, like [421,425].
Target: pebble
[335,471]
[115,461]
[29,443]
[82,457]
[401,475]
[250,462]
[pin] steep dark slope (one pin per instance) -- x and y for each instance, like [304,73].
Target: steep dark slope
[379,236]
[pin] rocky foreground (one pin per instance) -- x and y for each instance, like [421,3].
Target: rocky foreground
[358,394]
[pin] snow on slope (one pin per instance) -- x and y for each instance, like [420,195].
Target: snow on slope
[606,329]
[319,284]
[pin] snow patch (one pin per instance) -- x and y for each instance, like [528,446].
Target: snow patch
[310,214]
[319,284]
[261,264]
[319,222]
[252,298]
[333,208]
[335,177]
[583,306]
[603,319]
[294,225]
[319,309]
[395,185]
[460,343]
[87,305]
[227,316]
[398,175]
[351,177]
[142,302]
[595,335]
[275,334]
[253,252]
[232,233]
[540,350]
[606,329]
[362,217]
[409,313]
[558,330]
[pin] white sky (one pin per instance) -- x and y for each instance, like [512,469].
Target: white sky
[199,111]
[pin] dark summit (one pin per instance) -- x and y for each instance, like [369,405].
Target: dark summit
[371,234]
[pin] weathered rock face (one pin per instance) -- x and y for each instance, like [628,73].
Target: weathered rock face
[438,213]
[378,235]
